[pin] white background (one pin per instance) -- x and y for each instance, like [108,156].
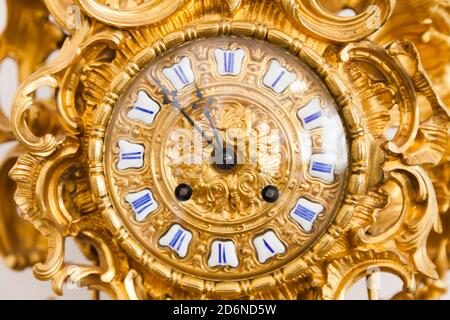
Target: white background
[22,285]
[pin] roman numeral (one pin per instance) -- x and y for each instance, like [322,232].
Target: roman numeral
[142,204]
[229,62]
[228,58]
[278,78]
[322,167]
[275,82]
[180,74]
[223,253]
[131,155]
[144,109]
[177,239]
[311,115]
[305,213]
[267,246]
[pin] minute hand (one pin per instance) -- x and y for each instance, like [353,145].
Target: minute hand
[207,114]
[196,127]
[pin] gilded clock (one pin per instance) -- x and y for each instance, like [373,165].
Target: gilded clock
[234,149]
[226,158]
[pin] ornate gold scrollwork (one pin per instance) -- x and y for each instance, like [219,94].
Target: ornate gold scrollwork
[407,235]
[18,41]
[344,272]
[20,244]
[419,140]
[64,209]
[389,208]
[314,17]
[132,13]
[53,75]
[65,13]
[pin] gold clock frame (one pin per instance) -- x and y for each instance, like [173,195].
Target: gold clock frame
[357,240]
[358,140]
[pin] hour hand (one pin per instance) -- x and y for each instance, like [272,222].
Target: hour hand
[176,104]
[208,116]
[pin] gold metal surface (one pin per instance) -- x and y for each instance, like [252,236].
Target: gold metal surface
[20,244]
[387,210]
[224,204]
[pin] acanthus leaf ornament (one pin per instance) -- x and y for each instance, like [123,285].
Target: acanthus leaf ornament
[432,132]
[408,234]
[322,21]
[17,42]
[20,246]
[131,13]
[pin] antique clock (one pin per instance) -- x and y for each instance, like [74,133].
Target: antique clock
[235,149]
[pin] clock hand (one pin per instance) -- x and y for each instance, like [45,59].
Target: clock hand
[225,157]
[176,104]
[207,114]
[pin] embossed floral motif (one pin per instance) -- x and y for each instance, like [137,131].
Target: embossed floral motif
[261,160]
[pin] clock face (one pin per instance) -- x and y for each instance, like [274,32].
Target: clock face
[226,158]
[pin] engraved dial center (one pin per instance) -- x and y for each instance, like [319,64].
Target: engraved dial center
[225,159]
[227,178]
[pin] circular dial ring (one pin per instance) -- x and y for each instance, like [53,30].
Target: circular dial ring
[295,266]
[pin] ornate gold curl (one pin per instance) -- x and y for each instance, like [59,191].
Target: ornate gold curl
[426,23]
[21,245]
[18,42]
[122,14]
[57,219]
[314,17]
[419,140]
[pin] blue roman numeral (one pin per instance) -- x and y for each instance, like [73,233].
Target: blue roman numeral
[228,59]
[278,79]
[139,205]
[322,167]
[131,156]
[144,110]
[313,117]
[222,253]
[180,74]
[177,240]
[304,213]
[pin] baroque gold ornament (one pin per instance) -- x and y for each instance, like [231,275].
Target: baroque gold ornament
[20,244]
[239,149]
